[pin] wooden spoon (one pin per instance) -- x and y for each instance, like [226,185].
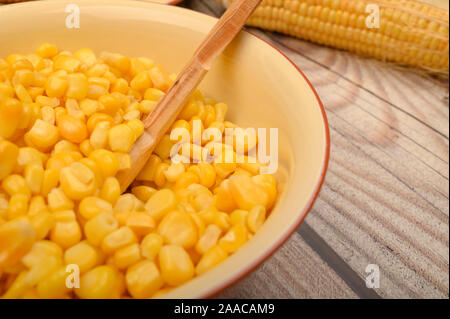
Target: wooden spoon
[165,113]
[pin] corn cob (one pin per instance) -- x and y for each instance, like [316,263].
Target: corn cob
[410,32]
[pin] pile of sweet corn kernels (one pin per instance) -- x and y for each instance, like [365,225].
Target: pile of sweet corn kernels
[67,123]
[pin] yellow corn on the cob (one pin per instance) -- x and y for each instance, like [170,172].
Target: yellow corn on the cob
[410,32]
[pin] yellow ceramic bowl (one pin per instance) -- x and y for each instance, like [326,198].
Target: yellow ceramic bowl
[261,86]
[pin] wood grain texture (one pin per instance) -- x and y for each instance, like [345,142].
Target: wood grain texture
[386,197]
[277,278]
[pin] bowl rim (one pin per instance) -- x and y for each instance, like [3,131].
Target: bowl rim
[317,188]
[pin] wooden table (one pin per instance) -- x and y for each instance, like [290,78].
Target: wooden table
[386,196]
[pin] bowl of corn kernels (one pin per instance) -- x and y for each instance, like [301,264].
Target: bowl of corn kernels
[77,78]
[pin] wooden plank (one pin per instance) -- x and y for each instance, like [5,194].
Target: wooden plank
[385,200]
[386,195]
[294,271]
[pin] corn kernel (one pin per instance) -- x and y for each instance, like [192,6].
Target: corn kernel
[122,217]
[120,62]
[238,216]
[34,175]
[140,223]
[18,206]
[62,159]
[132,115]
[110,103]
[141,81]
[121,138]
[56,86]
[96,118]
[24,77]
[72,129]
[176,265]
[148,172]
[151,245]
[54,285]
[186,179]
[207,174]
[174,171]
[234,239]
[42,223]
[46,101]
[49,181]
[210,259]
[40,250]
[82,254]
[117,239]
[209,239]
[128,203]
[47,50]
[256,218]
[120,287]
[120,86]
[11,111]
[58,200]
[9,153]
[137,127]
[127,256]
[16,184]
[97,283]
[106,160]
[66,234]
[147,106]
[110,190]
[99,136]
[17,288]
[162,202]
[77,181]
[143,193]
[48,115]
[89,106]
[67,63]
[92,206]
[247,193]
[37,205]
[99,227]
[64,216]
[143,279]
[153,94]
[86,55]
[43,135]
[269,184]
[159,78]
[164,147]
[178,229]
[42,269]
[16,239]
[86,147]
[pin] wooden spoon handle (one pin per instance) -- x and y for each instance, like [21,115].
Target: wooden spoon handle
[165,113]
